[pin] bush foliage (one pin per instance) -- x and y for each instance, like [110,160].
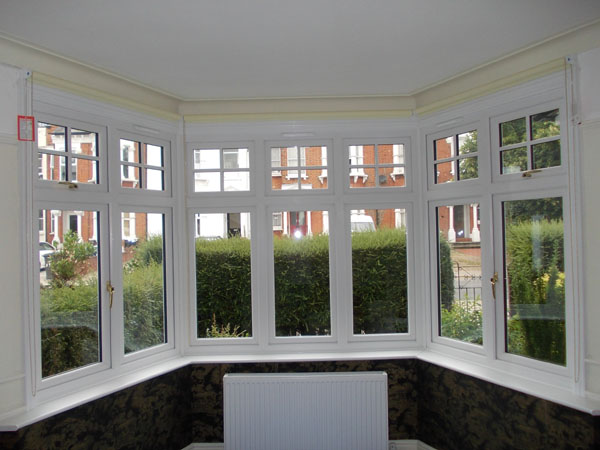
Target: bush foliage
[535,266]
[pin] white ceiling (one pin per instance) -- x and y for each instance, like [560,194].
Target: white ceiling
[225,49]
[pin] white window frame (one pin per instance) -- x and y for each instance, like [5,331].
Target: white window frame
[166,168]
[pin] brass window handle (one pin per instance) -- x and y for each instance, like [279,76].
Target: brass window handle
[111,291]
[493,282]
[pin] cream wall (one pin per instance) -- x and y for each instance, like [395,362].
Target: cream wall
[589,63]
[11,293]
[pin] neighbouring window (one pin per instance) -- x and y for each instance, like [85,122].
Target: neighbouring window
[223,275]
[379,271]
[455,158]
[302,279]
[221,169]
[460,308]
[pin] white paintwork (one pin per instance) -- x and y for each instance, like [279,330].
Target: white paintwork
[589,64]
[285,48]
[345,410]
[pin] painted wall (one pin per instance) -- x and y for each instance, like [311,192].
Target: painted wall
[589,63]
[440,407]
[11,293]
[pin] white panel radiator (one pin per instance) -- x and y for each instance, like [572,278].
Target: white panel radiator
[306,411]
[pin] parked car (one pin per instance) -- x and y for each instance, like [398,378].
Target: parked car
[361,222]
[46,250]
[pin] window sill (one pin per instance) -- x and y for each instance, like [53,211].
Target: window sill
[21,418]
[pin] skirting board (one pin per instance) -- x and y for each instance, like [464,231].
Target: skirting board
[407,444]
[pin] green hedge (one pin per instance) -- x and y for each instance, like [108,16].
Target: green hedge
[379,281]
[536,290]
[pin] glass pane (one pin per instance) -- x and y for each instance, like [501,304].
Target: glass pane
[51,137]
[314,156]
[289,180]
[275,157]
[514,160]
[207,182]
[467,168]
[236,158]
[154,179]
[223,275]
[144,307]
[236,181]
[154,155]
[545,124]
[314,179]
[444,172]
[444,148]
[379,281]
[84,142]
[467,143]
[361,177]
[290,156]
[86,171]
[207,159]
[301,255]
[513,132]
[385,154]
[52,167]
[546,154]
[69,294]
[535,279]
[130,151]
[459,272]
[130,176]
[391,176]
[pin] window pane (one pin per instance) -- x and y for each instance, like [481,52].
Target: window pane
[275,157]
[459,273]
[52,167]
[236,181]
[444,172]
[223,275]
[314,156]
[154,179]
[313,179]
[144,307]
[379,281]
[130,176]
[130,151]
[361,177]
[444,148]
[513,132]
[545,124]
[207,159]
[467,168]
[207,182]
[535,279]
[301,255]
[154,155]
[385,154]
[51,137]
[391,176]
[69,294]
[546,154]
[467,143]
[85,171]
[514,160]
[84,142]
[236,158]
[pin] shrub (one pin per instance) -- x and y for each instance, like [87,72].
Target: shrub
[143,306]
[446,274]
[66,262]
[379,281]
[463,323]
[536,290]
